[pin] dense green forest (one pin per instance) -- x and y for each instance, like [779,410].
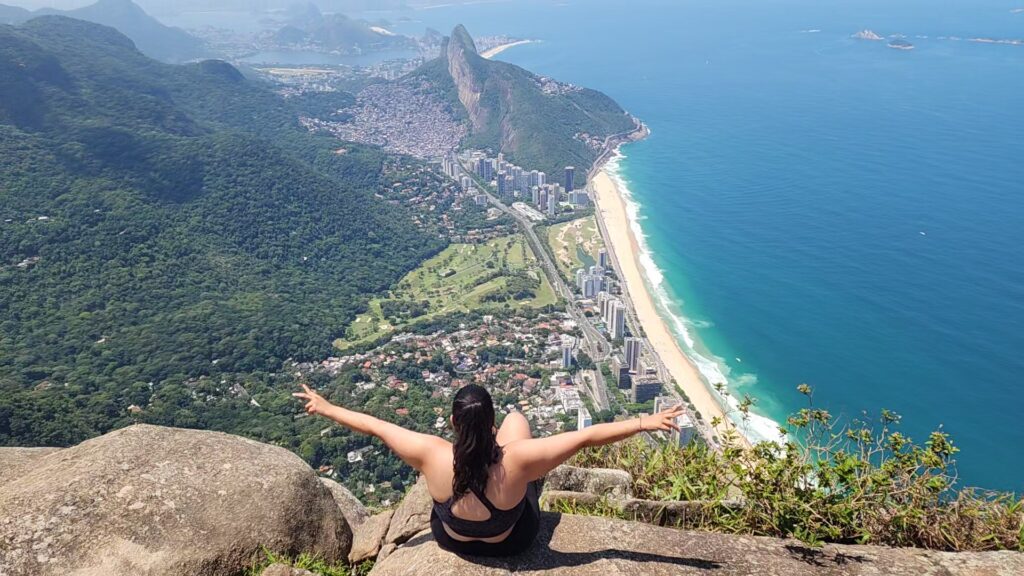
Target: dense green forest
[165,229]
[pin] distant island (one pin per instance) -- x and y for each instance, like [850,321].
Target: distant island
[900,44]
[867,35]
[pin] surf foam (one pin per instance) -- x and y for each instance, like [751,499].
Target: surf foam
[713,370]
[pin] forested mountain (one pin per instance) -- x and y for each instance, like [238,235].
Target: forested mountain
[13,14]
[337,32]
[150,36]
[160,223]
[537,122]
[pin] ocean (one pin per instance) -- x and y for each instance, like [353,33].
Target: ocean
[817,208]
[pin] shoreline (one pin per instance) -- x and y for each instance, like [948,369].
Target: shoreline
[615,225]
[492,52]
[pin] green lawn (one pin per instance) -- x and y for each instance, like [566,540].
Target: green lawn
[462,277]
[574,245]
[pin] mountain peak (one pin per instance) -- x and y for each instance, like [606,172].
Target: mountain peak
[461,39]
[122,6]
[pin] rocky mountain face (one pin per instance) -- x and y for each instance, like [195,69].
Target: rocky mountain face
[461,57]
[539,123]
[147,500]
[152,500]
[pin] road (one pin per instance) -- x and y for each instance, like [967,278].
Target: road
[594,344]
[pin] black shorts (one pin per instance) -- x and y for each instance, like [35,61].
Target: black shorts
[518,540]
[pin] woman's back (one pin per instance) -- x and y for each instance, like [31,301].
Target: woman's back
[505,488]
[487,479]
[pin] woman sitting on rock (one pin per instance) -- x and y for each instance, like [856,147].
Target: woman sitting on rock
[486,485]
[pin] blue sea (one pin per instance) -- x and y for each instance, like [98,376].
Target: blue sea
[816,208]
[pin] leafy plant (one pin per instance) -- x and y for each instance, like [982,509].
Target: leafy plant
[311,562]
[862,482]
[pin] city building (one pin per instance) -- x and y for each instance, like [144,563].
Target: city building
[644,388]
[502,185]
[450,167]
[583,419]
[686,433]
[620,371]
[579,198]
[615,319]
[602,258]
[664,402]
[589,283]
[633,349]
[570,178]
[568,343]
[603,297]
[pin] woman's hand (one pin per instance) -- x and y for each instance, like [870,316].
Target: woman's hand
[664,420]
[315,403]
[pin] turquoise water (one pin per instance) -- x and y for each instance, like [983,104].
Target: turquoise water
[822,209]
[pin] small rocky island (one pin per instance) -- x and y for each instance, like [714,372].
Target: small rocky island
[867,35]
[900,44]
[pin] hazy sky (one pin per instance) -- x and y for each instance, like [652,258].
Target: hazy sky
[168,6]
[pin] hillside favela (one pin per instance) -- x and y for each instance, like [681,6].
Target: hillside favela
[446,287]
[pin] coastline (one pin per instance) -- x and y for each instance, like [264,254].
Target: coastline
[616,228]
[492,52]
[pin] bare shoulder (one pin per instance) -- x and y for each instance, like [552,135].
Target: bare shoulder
[439,446]
[439,455]
[518,452]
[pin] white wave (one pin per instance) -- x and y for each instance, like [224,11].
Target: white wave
[715,371]
[700,324]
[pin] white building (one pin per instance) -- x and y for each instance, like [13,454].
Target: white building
[568,343]
[583,419]
[615,319]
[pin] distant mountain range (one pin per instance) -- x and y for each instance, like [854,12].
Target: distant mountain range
[538,122]
[150,36]
[336,33]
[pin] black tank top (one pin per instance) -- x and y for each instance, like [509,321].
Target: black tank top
[499,522]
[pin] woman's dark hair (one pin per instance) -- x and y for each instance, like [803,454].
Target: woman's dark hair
[476,447]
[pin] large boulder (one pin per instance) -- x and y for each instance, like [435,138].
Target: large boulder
[412,515]
[147,500]
[600,481]
[586,545]
[16,461]
[351,508]
[368,537]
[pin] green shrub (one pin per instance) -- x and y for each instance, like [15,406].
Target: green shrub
[855,483]
[310,562]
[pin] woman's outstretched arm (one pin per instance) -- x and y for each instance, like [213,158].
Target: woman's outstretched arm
[536,457]
[413,448]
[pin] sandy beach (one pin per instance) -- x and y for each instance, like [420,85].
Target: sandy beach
[501,48]
[611,209]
